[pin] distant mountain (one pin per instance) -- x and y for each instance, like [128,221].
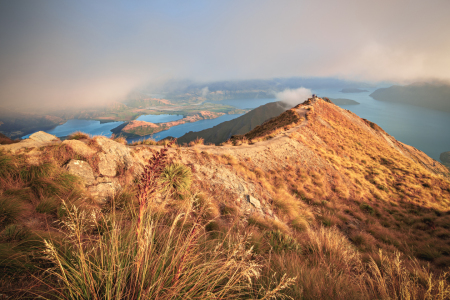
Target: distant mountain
[352,90]
[247,89]
[445,158]
[430,95]
[241,125]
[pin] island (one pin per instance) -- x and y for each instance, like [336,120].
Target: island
[141,128]
[352,90]
[430,95]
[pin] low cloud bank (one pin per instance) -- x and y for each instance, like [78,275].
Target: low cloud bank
[294,96]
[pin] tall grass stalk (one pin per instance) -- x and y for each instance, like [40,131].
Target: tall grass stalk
[165,262]
[389,278]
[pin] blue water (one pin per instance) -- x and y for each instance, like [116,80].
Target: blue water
[159,118]
[425,129]
[245,103]
[422,128]
[91,127]
[180,130]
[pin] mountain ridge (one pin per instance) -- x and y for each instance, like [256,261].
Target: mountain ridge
[316,169]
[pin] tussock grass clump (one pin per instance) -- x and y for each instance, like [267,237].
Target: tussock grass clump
[4,140]
[148,141]
[10,210]
[14,232]
[78,135]
[391,278]
[119,139]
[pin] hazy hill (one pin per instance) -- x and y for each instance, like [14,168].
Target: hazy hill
[430,95]
[303,203]
[445,158]
[240,125]
[353,90]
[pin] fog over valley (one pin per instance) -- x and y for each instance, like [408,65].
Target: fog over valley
[68,54]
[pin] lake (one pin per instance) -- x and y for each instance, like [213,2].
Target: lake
[159,118]
[422,128]
[90,127]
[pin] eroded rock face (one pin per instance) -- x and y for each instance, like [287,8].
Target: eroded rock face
[79,147]
[41,136]
[81,169]
[255,202]
[115,156]
[102,191]
[35,140]
[107,165]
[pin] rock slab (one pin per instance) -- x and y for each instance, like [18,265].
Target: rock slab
[79,147]
[42,136]
[81,169]
[252,200]
[102,191]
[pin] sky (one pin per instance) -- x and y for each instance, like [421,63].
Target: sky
[56,52]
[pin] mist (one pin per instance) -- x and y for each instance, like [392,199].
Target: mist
[61,54]
[292,97]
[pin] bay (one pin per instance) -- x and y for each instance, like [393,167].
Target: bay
[90,127]
[159,118]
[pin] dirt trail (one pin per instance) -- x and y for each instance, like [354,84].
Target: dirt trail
[282,147]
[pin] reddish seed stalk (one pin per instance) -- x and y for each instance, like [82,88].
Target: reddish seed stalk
[148,183]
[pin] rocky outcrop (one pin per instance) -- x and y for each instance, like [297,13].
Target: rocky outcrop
[81,169]
[79,147]
[102,191]
[35,140]
[42,136]
[114,157]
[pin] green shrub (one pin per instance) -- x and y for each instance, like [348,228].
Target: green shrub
[176,179]
[367,208]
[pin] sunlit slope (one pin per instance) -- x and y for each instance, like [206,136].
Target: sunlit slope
[325,164]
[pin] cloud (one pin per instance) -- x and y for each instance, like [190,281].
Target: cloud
[59,53]
[293,97]
[205,91]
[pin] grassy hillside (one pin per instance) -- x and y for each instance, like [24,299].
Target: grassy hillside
[316,203]
[241,125]
[434,96]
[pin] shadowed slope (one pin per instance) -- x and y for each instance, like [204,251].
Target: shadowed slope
[240,125]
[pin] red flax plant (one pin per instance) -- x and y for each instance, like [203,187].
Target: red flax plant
[148,183]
